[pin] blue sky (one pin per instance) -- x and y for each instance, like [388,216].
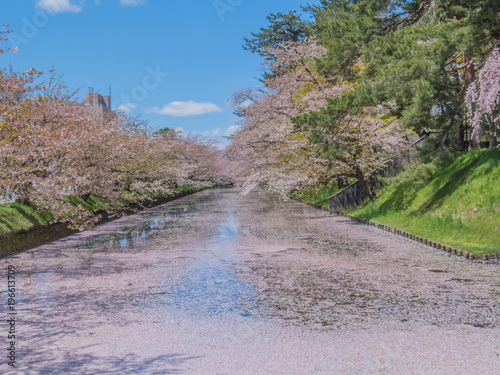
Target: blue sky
[175,63]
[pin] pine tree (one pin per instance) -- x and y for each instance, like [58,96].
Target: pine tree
[282,28]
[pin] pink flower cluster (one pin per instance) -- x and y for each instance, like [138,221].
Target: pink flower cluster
[268,149]
[483,97]
[51,148]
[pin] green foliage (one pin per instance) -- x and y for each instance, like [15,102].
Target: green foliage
[318,195]
[282,28]
[345,28]
[95,203]
[16,217]
[409,56]
[165,131]
[458,204]
[183,188]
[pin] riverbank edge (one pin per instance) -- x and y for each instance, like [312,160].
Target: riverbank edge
[402,233]
[27,239]
[426,241]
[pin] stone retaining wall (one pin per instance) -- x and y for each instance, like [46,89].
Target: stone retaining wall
[354,194]
[349,197]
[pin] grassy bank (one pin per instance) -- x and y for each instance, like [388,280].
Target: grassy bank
[457,204]
[17,217]
[318,195]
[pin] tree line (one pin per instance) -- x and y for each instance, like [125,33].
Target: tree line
[348,88]
[52,148]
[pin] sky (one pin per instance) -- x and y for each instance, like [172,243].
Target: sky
[173,63]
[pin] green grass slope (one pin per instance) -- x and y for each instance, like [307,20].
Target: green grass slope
[319,195]
[17,217]
[458,205]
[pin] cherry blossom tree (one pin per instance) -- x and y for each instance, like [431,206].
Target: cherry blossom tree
[268,149]
[4,31]
[360,146]
[52,148]
[483,99]
[176,160]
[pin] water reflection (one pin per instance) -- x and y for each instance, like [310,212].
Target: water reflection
[210,286]
[157,222]
[194,239]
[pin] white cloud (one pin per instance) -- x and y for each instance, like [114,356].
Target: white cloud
[185,109]
[231,130]
[218,132]
[58,6]
[126,107]
[132,2]
[209,133]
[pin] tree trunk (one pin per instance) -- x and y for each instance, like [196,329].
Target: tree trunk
[477,134]
[364,184]
[127,182]
[24,200]
[493,135]
[461,134]
[22,194]
[342,182]
[470,73]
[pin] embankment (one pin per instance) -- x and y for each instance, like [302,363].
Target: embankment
[24,228]
[457,204]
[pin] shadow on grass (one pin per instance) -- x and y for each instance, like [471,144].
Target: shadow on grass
[443,183]
[458,174]
[397,200]
[7,224]
[30,216]
[14,217]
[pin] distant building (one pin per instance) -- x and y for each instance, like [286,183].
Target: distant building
[98,103]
